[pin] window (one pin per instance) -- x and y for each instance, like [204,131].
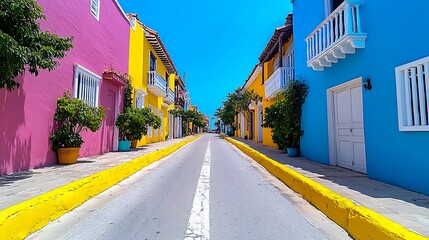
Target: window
[149,129]
[276,63]
[86,85]
[331,5]
[156,130]
[152,65]
[140,94]
[95,9]
[412,89]
[133,22]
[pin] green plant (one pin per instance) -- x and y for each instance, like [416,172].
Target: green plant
[134,122]
[236,102]
[72,117]
[128,91]
[23,45]
[189,116]
[284,116]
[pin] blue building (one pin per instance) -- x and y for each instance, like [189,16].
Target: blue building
[367,66]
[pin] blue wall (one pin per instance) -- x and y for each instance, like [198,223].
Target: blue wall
[398,33]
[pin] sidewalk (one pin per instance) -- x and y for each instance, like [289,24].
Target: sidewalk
[18,187]
[407,208]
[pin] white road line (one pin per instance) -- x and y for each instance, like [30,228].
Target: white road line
[199,221]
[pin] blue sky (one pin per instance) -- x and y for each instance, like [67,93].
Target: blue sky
[217,43]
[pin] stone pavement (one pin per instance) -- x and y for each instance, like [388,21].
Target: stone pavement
[407,208]
[18,187]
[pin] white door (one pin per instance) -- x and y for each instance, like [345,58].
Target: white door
[349,132]
[242,125]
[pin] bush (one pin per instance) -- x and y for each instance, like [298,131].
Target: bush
[134,122]
[72,117]
[284,116]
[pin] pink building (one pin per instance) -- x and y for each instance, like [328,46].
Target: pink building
[101,41]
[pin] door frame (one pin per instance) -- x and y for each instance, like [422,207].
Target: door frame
[330,94]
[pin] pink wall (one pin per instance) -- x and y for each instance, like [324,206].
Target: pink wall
[26,115]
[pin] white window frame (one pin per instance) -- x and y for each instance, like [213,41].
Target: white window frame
[412,88]
[95,12]
[156,130]
[89,92]
[149,129]
[133,22]
[139,94]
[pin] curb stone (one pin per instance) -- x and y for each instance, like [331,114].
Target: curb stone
[359,221]
[20,220]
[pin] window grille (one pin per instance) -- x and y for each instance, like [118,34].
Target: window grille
[412,87]
[95,8]
[86,86]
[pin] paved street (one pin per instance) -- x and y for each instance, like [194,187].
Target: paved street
[207,189]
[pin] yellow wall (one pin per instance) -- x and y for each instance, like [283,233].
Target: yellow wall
[139,61]
[259,88]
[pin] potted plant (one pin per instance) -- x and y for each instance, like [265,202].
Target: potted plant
[294,98]
[284,117]
[72,117]
[133,125]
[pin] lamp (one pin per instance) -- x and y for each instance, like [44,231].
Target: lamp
[367,85]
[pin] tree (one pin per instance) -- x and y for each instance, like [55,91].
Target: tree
[189,116]
[22,43]
[236,102]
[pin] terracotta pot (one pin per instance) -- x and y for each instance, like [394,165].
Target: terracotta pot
[134,143]
[67,155]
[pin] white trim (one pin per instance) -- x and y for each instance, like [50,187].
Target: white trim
[331,118]
[165,105]
[87,71]
[141,91]
[122,11]
[97,14]
[94,82]
[133,22]
[328,7]
[138,92]
[406,113]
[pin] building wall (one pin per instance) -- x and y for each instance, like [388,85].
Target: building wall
[139,66]
[98,45]
[268,71]
[394,38]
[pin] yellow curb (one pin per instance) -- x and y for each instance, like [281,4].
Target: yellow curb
[18,221]
[359,221]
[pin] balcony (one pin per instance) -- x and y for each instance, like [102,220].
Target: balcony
[179,100]
[169,97]
[156,84]
[339,34]
[277,81]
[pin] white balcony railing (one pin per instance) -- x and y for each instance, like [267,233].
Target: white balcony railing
[339,34]
[169,97]
[156,84]
[277,81]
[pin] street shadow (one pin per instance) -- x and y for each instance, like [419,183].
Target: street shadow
[7,180]
[344,177]
[15,143]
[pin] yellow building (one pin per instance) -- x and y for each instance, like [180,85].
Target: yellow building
[267,78]
[153,76]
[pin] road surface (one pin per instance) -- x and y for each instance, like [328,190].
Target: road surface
[206,190]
